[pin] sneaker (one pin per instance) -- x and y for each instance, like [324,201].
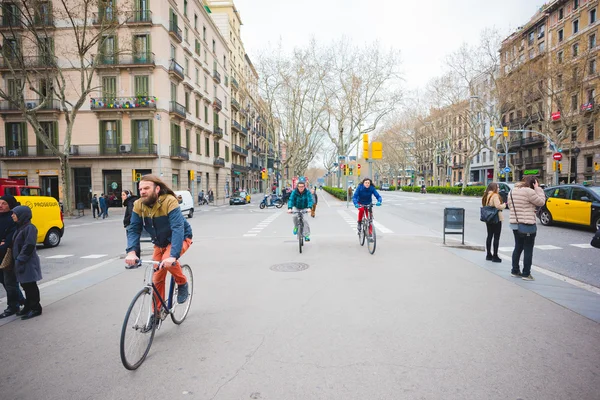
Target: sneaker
[306,238]
[8,312]
[489,257]
[515,274]
[295,230]
[528,278]
[24,311]
[496,259]
[182,293]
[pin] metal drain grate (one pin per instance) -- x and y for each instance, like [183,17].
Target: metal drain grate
[289,267]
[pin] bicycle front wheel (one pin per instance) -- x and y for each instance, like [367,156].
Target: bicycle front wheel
[372,239]
[180,311]
[300,238]
[138,330]
[362,233]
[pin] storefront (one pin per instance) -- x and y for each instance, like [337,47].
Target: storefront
[18,174]
[49,182]
[112,186]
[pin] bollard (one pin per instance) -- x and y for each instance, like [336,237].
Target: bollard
[454,222]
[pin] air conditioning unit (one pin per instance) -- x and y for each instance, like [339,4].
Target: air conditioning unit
[14,152]
[73,150]
[125,148]
[30,105]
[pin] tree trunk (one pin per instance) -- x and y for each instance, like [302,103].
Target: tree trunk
[65,184]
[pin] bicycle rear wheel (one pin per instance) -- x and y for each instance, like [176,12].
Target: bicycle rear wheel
[362,233]
[180,311]
[372,238]
[138,330]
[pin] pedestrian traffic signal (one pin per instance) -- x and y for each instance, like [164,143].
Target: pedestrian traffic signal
[358,169]
[505,131]
[492,131]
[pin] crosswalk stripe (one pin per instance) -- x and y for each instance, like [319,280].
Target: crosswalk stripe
[95,256]
[382,228]
[583,246]
[61,256]
[547,247]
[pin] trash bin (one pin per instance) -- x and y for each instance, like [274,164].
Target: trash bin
[80,209]
[454,222]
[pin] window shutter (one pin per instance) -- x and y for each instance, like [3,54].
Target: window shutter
[118,128]
[151,134]
[134,140]
[102,134]
[55,133]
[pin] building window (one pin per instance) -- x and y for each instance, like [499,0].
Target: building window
[561,35]
[574,133]
[214,46]
[575,75]
[531,53]
[592,16]
[16,137]
[185,4]
[226,154]
[175,139]
[561,13]
[590,132]
[204,33]
[141,85]
[188,139]
[592,41]
[141,135]
[589,162]
[187,101]
[541,47]
[560,57]
[197,77]
[198,144]
[591,94]
[197,46]
[196,22]
[575,4]
[593,67]
[575,26]
[559,81]
[530,38]
[186,34]
[205,56]
[575,50]
[109,87]
[186,66]
[541,31]
[574,102]
[205,113]
[197,108]
[110,136]
[205,84]
[207,146]
[51,132]
[216,149]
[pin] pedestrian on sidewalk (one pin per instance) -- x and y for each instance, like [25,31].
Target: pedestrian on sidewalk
[491,197]
[95,206]
[103,201]
[523,199]
[315,200]
[27,262]
[14,296]
[211,195]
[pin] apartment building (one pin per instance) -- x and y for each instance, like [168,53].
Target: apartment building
[162,105]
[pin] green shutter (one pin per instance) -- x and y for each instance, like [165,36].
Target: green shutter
[133,136]
[118,127]
[7,136]
[102,135]
[151,134]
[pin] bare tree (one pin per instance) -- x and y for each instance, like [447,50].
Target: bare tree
[71,38]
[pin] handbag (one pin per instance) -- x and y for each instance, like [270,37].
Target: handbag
[7,261]
[489,215]
[523,229]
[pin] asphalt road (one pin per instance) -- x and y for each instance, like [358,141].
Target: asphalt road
[416,320]
[561,249]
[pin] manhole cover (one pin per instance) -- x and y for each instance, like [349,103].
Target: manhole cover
[289,267]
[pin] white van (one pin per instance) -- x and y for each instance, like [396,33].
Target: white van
[186,202]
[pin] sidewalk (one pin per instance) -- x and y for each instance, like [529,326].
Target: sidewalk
[396,325]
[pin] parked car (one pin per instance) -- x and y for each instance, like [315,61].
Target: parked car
[385,186]
[186,202]
[571,204]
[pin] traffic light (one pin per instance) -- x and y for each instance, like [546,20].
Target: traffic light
[342,168]
[133,175]
[263,174]
[553,165]
[377,150]
[347,169]
[559,167]
[351,171]
[492,131]
[192,175]
[505,131]
[365,140]
[358,169]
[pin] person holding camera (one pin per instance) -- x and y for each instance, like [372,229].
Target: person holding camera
[523,200]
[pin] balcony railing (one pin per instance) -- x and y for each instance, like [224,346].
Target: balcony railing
[235,104]
[177,108]
[106,17]
[539,159]
[46,20]
[140,17]
[216,76]
[239,150]
[141,58]
[218,104]
[43,61]
[528,160]
[176,69]
[518,161]
[245,131]
[236,125]
[10,21]
[239,167]
[533,139]
[127,103]
[234,83]
[175,31]
[219,162]
[179,152]
[85,150]
[51,104]
[218,132]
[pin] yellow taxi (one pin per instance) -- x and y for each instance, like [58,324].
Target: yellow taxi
[572,204]
[47,218]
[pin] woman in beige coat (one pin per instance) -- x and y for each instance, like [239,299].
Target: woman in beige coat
[522,201]
[492,198]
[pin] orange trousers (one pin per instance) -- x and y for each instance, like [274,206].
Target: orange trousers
[161,253]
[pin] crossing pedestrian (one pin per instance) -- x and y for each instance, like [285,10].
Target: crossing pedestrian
[95,206]
[27,262]
[103,201]
[14,296]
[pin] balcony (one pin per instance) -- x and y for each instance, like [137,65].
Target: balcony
[123,103]
[528,160]
[178,152]
[239,150]
[10,22]
[239,167]
[245,131]
[175,32]
[84,151]
[51,105]
[218,132]
[533,139]
[457,165]
[177,110]
[217,104]
[234,84]
[126,60]
[236,125]
[43,21]
[176,70]
[235,104]
[539,159]
[106,18]
[219,162]
[139,17]
[28,62]
[518,161]
[216,76]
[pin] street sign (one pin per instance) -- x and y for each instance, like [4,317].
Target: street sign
[557,156]
[507,169]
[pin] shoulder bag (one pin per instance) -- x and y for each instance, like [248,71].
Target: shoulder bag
[7,261]
[523,229]
[489,214]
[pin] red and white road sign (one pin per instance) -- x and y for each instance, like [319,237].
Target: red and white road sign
[557,156]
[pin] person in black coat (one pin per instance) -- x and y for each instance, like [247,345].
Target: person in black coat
[14,296]
[27,263]
[128,199]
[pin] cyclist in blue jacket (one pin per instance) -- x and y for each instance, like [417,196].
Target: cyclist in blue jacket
[363,195]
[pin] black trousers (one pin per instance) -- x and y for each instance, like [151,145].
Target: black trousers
[32,296]
[95,210]
[493,232]
[523,243]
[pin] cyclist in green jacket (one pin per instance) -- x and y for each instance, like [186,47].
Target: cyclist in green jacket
[301,199]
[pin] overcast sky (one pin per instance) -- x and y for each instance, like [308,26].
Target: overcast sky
[424,31]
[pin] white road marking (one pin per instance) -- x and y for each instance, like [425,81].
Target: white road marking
[382,228]
[547,247]
[506,249]
[61,256]
[249,234]
[583,246]
[95,256]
